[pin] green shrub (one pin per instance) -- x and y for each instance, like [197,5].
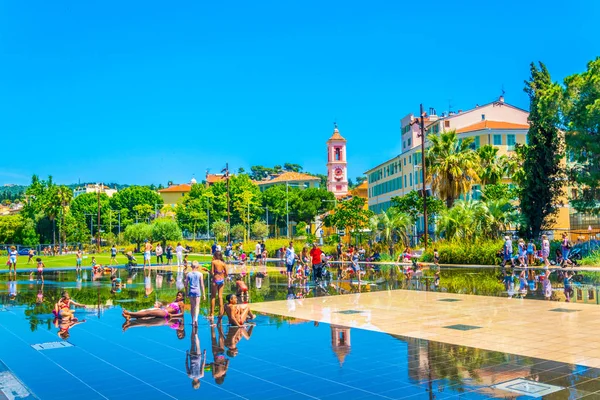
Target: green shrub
[480,253]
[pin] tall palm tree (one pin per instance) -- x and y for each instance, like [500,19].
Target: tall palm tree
[452,166]
[393,223]
[491,168]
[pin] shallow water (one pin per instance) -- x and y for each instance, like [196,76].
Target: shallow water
[102,356]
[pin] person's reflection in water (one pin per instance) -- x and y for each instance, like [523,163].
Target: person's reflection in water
[78,281]
[179,282]
[12,287]
[40,295]
[234,335]
[174,323]
[220,362]
[194,360]
[64,325]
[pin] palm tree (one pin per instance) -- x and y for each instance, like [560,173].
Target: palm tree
[491,167]
[452,166]
[463,221]
[392,223]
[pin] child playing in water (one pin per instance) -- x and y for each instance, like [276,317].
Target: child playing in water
[62,309]
[241,289]
[436,257]
[195,286]
[40,269]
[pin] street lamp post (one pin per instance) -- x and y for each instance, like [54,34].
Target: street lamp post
[287,210]
[207,219]
[421,122]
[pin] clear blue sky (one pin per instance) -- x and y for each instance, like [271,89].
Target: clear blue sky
[151,91]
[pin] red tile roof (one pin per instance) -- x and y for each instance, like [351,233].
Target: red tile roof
[479,126]
[183,188]
[213,178]
[289,177]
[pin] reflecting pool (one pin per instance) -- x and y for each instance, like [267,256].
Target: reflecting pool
[101,355]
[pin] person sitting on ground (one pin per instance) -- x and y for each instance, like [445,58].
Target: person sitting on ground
[238,314]
[62,309]
[173,310]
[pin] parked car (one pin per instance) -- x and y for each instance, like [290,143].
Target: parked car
[24,251]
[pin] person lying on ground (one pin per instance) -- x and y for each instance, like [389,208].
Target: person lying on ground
[173,310]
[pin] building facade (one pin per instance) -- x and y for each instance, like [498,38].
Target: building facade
[94,188]
[498,124]
[174,193]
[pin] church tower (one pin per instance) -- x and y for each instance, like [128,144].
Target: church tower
[337,173]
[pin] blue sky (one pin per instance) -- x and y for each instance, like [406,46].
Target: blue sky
[147,91]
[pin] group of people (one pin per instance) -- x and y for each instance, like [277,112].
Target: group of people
[529,255]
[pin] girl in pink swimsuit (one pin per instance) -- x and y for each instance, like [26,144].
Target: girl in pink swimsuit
[173,310]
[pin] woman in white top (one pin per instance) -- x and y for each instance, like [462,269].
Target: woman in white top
[179,252]
[545,250]
[12,259]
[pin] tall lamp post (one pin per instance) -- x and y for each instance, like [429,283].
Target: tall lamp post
[421,122]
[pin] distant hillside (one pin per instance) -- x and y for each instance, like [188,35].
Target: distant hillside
[12,192]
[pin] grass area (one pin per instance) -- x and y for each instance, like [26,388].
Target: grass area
[103,259]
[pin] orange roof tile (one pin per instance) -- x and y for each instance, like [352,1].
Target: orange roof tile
[289,177]
[212,178]
[183,188]
[336,135]
[479,126]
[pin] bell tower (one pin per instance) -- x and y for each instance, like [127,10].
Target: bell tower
[337,173]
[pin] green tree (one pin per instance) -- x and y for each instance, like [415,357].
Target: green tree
[273,199]
[259,230]
[350,215]
[452,166]
[137,233]
[292,167]
[412,204]
[541,188]
[133,196]
[164,229]
[142,211]
[306,204]
[499,191]
[581,121]
[17,229]
[491,166]
[87,203]
[220,229]
[64,195]
[393,224]
[238,232]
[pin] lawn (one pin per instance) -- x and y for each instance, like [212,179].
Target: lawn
[103,259]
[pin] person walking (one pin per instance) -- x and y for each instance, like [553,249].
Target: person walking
[147,254]
[290,259]
[113,255]
[159,254]
[545,251]
[530,253]
[565,247]
[12,259]
[169,254]
[508,251]
[218,273]
[257,253]
[194,283]
[317,266]
[179,252]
